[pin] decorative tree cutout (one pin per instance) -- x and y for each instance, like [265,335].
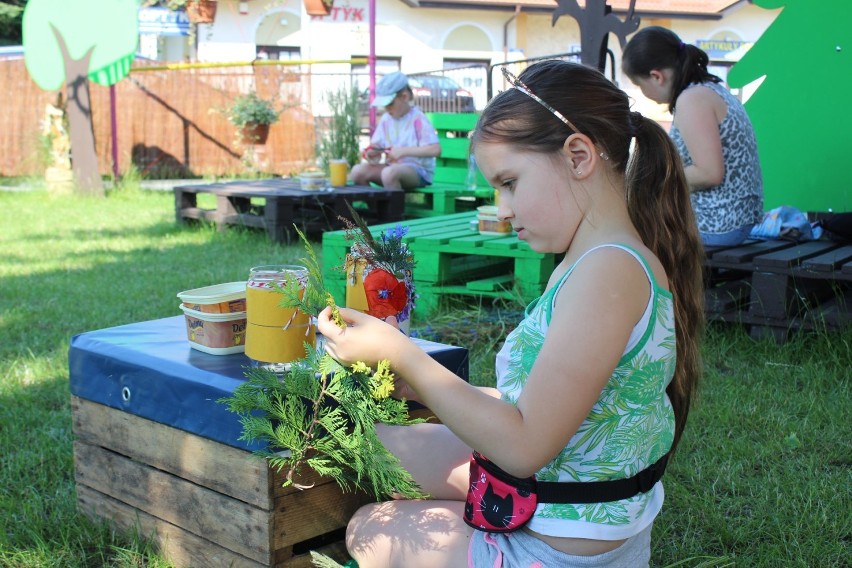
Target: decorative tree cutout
[805,93]
[596,22]
[72,41]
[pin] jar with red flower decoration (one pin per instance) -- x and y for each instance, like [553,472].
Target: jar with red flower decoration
[378,287]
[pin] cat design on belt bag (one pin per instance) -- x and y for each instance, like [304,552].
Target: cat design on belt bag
[500,502]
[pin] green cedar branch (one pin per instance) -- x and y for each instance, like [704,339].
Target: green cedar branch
[322,414]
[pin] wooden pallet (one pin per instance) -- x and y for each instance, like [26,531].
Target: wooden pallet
[449,192]
[453,259]
[777,286]
[276,205]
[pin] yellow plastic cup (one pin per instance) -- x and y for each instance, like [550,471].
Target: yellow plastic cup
[275,334]
[337,172]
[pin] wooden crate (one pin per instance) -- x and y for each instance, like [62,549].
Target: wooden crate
[156,452]
[202,502]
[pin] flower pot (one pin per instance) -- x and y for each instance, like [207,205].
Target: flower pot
[201,11]
[253,133]
[318,7]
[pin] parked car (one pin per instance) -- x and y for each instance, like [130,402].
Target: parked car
[432,93]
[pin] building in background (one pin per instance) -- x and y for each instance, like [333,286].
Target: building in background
[418,36]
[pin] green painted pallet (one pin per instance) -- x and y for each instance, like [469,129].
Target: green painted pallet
[449,192]
[452,258]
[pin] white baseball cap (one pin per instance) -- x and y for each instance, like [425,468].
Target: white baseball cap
[387,88]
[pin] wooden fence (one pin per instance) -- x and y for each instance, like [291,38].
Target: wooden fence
[169,122]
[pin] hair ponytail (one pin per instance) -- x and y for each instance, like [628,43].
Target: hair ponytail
[658,48]
[659,206]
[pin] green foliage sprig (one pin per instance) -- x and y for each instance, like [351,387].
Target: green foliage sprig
[339,138]
[324,414]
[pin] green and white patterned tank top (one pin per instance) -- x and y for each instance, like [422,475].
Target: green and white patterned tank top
[630,427]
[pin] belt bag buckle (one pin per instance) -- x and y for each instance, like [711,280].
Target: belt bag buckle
[497,501]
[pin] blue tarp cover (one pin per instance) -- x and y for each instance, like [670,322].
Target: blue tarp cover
[148,369]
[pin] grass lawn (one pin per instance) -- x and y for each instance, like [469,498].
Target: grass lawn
[763,477]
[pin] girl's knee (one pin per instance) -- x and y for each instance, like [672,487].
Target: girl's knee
[390,177]
[359,175]
[361,532]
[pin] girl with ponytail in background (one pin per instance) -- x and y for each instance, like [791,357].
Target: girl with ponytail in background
[710,128]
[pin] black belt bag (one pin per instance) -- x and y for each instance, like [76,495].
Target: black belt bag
[500,502]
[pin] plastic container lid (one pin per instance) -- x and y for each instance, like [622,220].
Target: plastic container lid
[214,294]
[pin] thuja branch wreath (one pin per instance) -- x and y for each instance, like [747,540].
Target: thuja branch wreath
[322,414]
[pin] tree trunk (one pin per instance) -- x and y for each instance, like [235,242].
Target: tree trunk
[84,158]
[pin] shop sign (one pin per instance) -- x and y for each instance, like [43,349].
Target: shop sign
[348,14]
[719,48]
[162,21]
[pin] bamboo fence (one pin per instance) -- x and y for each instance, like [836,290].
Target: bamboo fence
[170,121]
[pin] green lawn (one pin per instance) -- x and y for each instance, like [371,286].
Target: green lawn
[762,477]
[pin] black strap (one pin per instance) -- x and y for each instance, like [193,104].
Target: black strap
[602,491]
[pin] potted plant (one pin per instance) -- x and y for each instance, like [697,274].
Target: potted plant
[201,11]
[318,7]
[197,11]
[252,115]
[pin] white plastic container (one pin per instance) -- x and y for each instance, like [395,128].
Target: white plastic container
[217,299]
[217,334]
[313,181]
[489,224]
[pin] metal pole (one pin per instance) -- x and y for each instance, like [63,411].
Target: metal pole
[372,64]
[114,131]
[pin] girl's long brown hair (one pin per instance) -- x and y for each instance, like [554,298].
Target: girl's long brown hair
[655,186]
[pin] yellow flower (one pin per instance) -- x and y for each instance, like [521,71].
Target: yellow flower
[335,311]
[381,383]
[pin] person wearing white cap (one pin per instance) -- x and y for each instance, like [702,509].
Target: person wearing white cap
[404,136]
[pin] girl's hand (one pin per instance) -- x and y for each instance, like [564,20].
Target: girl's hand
[394,154]
[364,338]
[373,154]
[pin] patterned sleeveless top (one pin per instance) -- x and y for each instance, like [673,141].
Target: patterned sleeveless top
[738,200]
[630,427]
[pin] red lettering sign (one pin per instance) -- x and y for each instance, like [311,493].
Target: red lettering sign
[342,15]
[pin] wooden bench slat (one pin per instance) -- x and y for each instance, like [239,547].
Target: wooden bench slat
[491,284]
[792,256]
[746,253]
[831,261]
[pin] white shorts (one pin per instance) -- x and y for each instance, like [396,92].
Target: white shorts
[520,549]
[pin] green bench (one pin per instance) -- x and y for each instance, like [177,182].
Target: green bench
[449,192]
[452,258]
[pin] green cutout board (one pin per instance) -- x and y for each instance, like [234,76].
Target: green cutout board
[801,112]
